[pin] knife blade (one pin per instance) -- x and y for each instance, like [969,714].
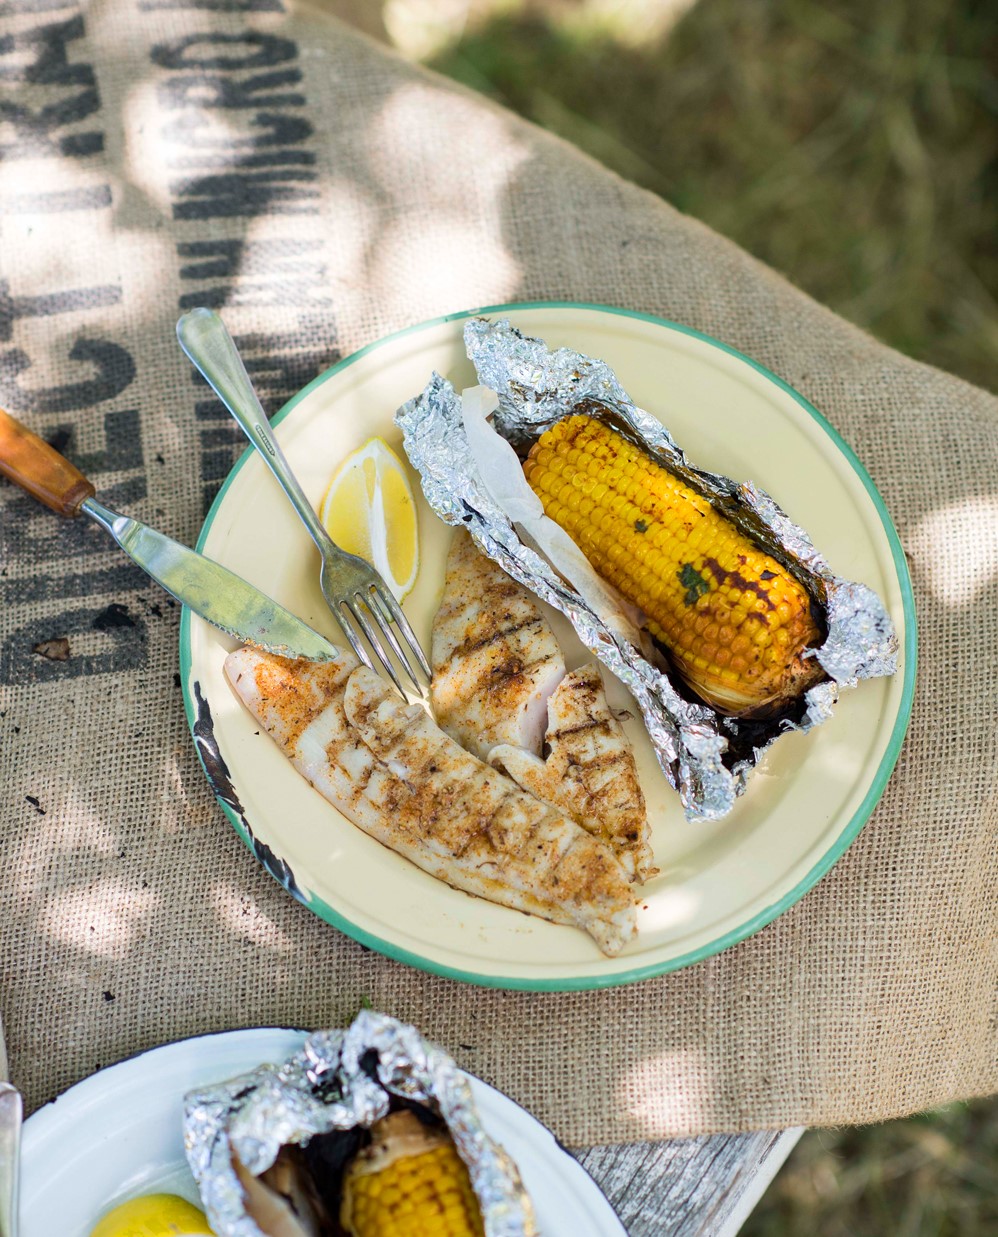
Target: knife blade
[11,1116]
[211,590]
[226,600]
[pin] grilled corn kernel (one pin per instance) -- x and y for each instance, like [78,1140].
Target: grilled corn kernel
[410,1182]
[733,619]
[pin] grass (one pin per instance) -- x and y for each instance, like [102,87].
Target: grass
[850,145]
[928,1176]
[853,146]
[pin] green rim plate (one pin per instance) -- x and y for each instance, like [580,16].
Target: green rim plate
[702,373]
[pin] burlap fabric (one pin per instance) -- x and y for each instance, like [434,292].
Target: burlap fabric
[166,153]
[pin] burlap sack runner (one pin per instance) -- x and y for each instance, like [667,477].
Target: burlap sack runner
[165,153]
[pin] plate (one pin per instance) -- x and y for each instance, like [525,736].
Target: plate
[721,881]
[119,1133]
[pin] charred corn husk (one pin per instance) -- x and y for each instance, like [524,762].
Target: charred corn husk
[734,621]
[409,1182]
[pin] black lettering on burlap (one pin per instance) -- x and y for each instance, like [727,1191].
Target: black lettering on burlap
[277,375]
[195,51]
[247,193]
[49,105]
[225,259]
[198,131]
[212,90]
[35,126]
[30,533]
[236,145]
[283,271]
[51,64]
[14,307]
[122,445]
[110,366]
[234,161]
[122,450]
[278,372]
[221,259]
[216,465]
[230,185]
[103,648]
[109,582]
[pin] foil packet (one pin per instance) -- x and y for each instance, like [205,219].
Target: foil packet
[341,1080]
[705,755]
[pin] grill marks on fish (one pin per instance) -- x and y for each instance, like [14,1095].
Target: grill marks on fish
[393,772]
[500,689]
[495,659]
[589,771]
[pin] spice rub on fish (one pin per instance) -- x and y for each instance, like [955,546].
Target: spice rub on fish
[499,687]
[494,656]
[393,772]
[589,770]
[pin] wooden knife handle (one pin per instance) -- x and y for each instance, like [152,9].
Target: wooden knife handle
[32,464]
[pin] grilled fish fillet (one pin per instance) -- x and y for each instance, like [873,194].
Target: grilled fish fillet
[392,771]
[589,772]
[499,687]
[495,659]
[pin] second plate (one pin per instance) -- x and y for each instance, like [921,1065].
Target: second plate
[119,1134]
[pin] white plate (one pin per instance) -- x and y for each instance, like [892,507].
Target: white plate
[119,1133]
[720,882]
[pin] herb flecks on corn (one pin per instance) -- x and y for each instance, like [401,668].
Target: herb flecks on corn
[410,1182]
[734,621]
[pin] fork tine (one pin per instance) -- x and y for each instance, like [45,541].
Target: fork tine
[388,602]
[351,635]
[372,636]
[385,620]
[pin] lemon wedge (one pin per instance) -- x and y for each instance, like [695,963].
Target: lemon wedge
[369,510]
[153,1215]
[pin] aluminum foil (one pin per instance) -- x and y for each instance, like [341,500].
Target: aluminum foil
[705,755]
[324,1087]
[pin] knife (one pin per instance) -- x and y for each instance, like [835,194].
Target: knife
[217,594]
[11,1113]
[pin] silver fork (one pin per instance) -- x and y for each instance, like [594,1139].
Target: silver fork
[354,591]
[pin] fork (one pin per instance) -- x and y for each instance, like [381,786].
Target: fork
[360,600]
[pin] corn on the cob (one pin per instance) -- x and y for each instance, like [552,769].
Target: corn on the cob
[410,1182]
[735,622]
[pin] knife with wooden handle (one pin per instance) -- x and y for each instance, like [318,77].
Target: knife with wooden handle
[11,1114]
[214,592]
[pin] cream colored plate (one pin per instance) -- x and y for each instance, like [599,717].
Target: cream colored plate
[720,882]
